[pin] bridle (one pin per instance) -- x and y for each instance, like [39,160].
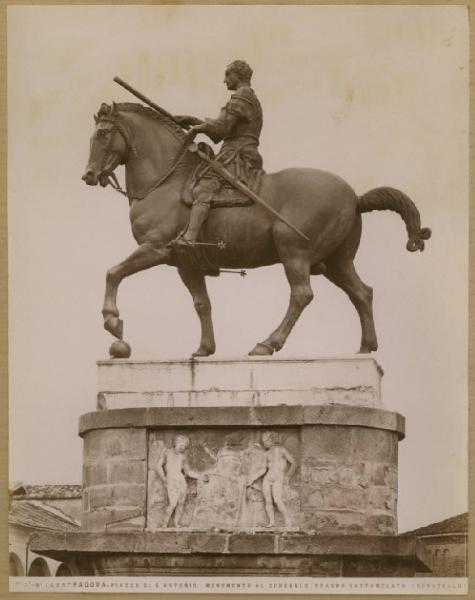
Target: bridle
[112,178]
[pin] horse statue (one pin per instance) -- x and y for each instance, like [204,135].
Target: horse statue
[322,206]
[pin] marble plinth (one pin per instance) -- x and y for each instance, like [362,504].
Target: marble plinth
[267,381]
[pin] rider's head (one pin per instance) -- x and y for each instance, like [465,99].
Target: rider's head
[237,73]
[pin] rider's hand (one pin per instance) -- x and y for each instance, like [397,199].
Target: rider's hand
[193,132]
[183,121]
[197,129]
[186,121]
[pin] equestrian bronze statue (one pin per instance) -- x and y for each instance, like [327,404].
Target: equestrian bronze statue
[206,214]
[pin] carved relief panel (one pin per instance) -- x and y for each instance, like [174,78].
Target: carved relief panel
[223,479]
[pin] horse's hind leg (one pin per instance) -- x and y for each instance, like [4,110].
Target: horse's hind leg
[342,273]
[144,257]
[297,269]
[196,284]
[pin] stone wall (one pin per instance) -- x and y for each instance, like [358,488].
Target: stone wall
[114,478]
[349,479]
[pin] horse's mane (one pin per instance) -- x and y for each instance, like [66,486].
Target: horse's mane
[153,114]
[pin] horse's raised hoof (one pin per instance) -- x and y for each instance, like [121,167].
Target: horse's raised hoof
[120,349]
[203,351]
[262,349]
[115,326]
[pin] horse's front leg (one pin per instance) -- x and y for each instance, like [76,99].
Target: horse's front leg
[144,257]
[196,284]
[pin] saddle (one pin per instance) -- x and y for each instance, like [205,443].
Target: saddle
[228,196]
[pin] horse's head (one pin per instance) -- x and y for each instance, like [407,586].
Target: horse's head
[110,146]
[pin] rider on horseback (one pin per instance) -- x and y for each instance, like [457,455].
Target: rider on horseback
[238,126]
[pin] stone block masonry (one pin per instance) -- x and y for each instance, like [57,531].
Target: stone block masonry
[343,479]
[114,478]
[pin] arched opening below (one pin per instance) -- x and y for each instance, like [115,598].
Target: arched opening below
[16,568]
[63,571]
[39,568]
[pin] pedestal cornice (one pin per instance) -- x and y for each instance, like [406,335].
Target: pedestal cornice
[243,416]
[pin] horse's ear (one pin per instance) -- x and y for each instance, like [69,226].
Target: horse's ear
[96,119]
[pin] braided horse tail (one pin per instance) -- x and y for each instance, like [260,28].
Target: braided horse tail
[387,198]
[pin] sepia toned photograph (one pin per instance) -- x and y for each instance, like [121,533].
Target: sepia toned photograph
[238,281]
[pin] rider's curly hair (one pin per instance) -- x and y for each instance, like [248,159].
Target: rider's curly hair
[242,69]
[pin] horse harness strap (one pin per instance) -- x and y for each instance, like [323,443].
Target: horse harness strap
[112,178]
[165,176]
[114,183]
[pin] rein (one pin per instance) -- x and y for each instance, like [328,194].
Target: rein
[112,178]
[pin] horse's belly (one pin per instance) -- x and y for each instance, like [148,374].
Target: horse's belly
[247,235]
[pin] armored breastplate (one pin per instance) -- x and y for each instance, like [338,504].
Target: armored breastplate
[246,106]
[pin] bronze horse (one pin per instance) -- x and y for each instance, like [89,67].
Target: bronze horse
[323,206]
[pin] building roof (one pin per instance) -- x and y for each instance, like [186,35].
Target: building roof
[457,524]
[43,492]
[35,514]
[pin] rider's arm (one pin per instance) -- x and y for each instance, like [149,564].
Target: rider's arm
[218,129]
[238,108]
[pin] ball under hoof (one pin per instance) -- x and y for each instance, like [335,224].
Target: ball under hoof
[120,349]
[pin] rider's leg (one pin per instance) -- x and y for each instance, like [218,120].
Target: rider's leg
[204,193]
[199,214]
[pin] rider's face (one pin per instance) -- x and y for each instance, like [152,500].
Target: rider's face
[231,79]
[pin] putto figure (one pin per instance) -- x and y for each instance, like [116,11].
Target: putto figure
[276,476]
[238,126]
[172,468]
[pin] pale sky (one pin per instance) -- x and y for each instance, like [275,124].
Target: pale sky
[378,95]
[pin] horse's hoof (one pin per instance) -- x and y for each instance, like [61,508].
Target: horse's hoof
[203,351]
[115,326]
[120,349]
[368,349]
[262,349]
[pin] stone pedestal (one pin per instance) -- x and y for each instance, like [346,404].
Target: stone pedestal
[199,464]
[345,480]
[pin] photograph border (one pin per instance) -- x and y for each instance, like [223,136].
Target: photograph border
[4,500]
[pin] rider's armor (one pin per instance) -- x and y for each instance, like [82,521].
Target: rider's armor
[240,138]
[238,126]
